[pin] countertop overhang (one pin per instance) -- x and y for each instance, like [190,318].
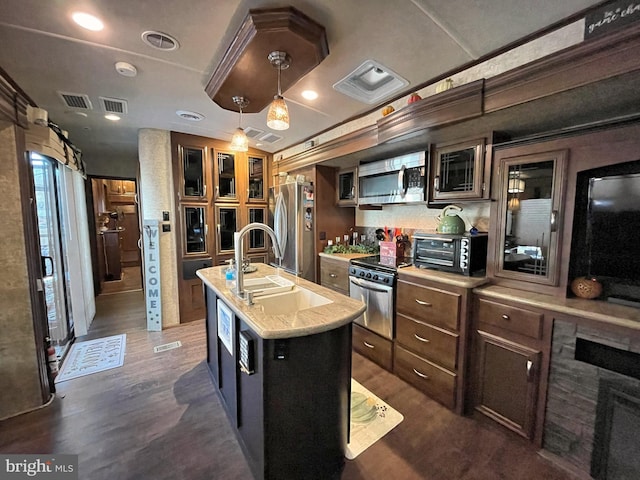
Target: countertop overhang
[341,311]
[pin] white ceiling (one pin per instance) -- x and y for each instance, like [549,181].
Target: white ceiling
[45,52]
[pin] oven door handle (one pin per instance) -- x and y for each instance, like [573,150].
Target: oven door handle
[366,287]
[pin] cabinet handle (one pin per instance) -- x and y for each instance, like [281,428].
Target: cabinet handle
[204,190]
[248,192]
[423,303]
[505,316]
[529,369]
[554,221]
[436,183]
[418,337]
[333,275]
[217,194]
[420,374]
[368,345]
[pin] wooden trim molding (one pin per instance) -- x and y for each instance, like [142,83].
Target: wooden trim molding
[454,105]
[13,105]
[352,142]
[580,65]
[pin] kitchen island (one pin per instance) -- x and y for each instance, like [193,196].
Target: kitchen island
[283,376]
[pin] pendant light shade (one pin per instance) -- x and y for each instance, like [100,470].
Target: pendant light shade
[278,115]
[515,185]
[239,141]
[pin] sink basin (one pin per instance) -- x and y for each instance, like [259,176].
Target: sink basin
[288,303]
[267,285]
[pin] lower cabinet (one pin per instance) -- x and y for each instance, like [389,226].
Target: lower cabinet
[287,399]
[371,345]
[511,360]
[334,274]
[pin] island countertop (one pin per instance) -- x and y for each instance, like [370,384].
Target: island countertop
[341,311]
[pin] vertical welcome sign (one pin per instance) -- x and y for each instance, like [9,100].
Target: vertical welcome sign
[152,274]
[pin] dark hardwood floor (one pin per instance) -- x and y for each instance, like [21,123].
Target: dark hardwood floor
[158,417]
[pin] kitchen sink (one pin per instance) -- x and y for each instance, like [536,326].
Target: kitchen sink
[267,285]
[290,302]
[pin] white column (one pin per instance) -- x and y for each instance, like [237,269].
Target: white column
[156,196]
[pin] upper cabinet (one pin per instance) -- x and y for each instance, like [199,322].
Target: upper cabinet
[225,176]
[529,194]
[458,171]
[256,178]
[347,187]
[193,185]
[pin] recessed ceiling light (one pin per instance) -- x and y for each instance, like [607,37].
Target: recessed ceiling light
[88,21]
[80,114]
[258,144]
[189,115]
[112,117]
[310,94]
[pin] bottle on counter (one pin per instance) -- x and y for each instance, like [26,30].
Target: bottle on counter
[230,275]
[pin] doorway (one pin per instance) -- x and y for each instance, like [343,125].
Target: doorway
[116,236]
[52,223]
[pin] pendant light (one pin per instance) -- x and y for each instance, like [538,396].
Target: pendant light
[239,141]
[278,115]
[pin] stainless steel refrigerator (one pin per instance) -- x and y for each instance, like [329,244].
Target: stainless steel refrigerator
[291,217]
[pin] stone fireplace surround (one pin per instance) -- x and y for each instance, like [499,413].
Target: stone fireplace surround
[573,392]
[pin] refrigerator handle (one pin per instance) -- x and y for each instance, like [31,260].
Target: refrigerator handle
[280,221]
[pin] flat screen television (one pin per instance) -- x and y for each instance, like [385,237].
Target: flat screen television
[606,230]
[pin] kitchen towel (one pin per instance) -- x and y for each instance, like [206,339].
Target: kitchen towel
[371,419]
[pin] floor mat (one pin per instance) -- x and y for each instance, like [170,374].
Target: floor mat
[371,419]
[93,356]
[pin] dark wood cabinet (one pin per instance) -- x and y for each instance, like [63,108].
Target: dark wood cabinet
[431,336]
[460,171]
[291,413]
[510,362]
[371,345]
[508,382]
[334,274]
[347,187]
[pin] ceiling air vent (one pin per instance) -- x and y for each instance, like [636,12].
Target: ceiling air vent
[189,115]
[251,132]
[160,40]
[270,138]
[76,100]
[370,82]
[113,105]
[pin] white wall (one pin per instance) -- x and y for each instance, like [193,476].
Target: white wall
[156,196]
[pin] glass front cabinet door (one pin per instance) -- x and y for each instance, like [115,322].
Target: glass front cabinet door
[224,174]
[226,226]
[256,238]
[193,172]
[457,171]
[195,229]
[528,237]
[347,187]
[257,176]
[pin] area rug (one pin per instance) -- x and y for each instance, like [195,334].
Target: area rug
[92,356]
[371,419]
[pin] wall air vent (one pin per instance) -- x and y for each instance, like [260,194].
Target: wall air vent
[251,132]
[270,138]
[113,105]
[370,82]
[76,100]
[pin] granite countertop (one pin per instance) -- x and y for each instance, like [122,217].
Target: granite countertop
[596,310]
[345,256]
[341,311]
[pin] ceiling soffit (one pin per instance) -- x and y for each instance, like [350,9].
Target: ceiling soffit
[245,69]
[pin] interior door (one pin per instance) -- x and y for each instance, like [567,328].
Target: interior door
[51,224]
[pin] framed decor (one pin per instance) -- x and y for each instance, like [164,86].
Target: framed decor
[226,327]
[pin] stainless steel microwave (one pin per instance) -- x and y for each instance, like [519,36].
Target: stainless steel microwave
[396,180]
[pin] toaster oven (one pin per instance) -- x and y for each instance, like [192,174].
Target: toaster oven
[465,254]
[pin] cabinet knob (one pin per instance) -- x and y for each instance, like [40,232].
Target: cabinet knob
[368,345]
[423,303]
[420,374]
[333,275]
[529,369]
[505,316]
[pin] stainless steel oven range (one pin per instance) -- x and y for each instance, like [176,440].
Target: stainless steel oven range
[372,280]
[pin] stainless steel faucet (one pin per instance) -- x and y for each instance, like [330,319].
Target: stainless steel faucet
[238,244]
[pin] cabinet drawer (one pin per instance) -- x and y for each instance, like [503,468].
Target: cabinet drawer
[334,274]
[436,307]
[373,346]
[433,343]
[513,319]
[436,382]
